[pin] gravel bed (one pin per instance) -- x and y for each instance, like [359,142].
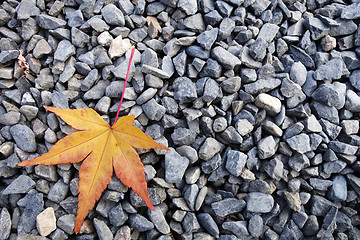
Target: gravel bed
[258,101]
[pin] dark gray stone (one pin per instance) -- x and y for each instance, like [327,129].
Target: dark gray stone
[262,85]
[299,162]
[112,15]
[320,206]
[7,56]
[184,90]
[140,223]
[256,226]
[24,137]
[332,70]
[49,23]
[102,230]
[180,63]
[21,184]
[158,219]
[300,143]
[175,166]
[208,223]
[267,147]
[235,162]
[236,227]
[225,58]
[33,207]
[67,223]
[26,9]
[58,192]
[117,216]
[345,27]
[227,206]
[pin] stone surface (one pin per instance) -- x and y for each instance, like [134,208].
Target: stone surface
[46,222]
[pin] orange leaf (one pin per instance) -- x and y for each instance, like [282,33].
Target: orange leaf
[102,148]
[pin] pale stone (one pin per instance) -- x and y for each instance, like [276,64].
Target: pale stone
[46,222]
[118,47]
[269,103]
[105,39]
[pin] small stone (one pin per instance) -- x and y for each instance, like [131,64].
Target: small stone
[355,79]
[259,202]
[113,15]
[48,22]
[190,196]
[58,192]
[175,166]
[153,110]
[34,204]
[274,168]
[293,200]
[271,104]
[195,23]
[227,206]
[42,48]
[206,39]
[27,9]
[102,230]
[6,73]
[236,227]
[299,143]
[140,223]
[298,54]
[209,148]
[354,182]
[268,32]
[255,226]
[209,224]
[298,73]
[158,219]
[117,216]
[46,222]
[64,50]
[258,49]
[10,118]
[5,224]
[311,226]
[190,7]
[328,43]
[351,11]
[67,223]
[180,63]
[24,137]
[320,206]
[118,47]
[98,24]
[352,101]
[317,28]
[267,147]
[7,56]
[225,58]
[235,162]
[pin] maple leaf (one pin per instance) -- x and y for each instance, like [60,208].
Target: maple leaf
[103,148]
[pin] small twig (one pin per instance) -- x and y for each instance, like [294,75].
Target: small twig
[126,79]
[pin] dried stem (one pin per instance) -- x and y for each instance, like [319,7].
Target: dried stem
[126,79]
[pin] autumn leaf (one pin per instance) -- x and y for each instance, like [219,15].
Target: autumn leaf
[103,148]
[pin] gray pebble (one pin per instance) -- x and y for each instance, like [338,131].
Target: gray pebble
[258,202]
[227,206]
[24,137]
[175,166]
[140,223]
[102,230]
